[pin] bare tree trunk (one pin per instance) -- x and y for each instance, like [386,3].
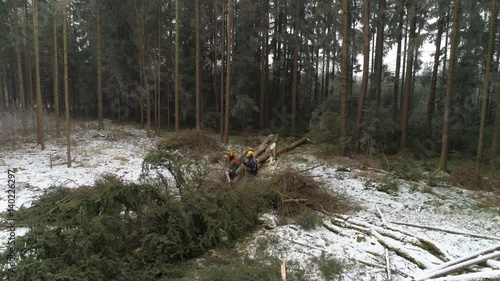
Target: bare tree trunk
[495,145]
[263,64]
[398,63]
[486,80]
[99,67]
[214,67]
[158,101]
[29,73]
[66,85]
[443,162]
[55,70]
[228,67]
[408,82]
[364,81]
[176,90]
[39,113]
[20,82]
[344,75]
[379,51]
[295,67]
[222,47]
[432,95]
[198,70]
[403,75]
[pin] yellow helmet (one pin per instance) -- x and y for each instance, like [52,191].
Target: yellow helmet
[231,153]
[249,153]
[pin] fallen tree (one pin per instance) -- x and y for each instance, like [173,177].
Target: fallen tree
[263,152]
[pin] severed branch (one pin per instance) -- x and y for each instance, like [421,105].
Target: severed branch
[447,230]
[487,275]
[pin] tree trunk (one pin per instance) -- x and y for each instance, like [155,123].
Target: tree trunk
[228,67]
[364,81]
[99,67]
[158,101]
[263,65]
[66,85]
[432,95]
[2,91]
[344,90]
[398,63]
[443,162]
[198,70]
[20,82]
[495,145]
[55,70]
[222,47]
[29,73]
[176,90]
[214,67]
[39,113]
[408,82]
[145,72]
[295,60]
[486,80]
[379,51]
[403,75]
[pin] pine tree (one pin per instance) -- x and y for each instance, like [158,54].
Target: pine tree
[99,66]
[66,84]
[344,74]
[39,113]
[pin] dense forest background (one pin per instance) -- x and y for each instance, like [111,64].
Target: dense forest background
[316,67]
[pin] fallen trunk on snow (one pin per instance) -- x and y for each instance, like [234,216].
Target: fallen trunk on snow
[487,275]
[463,262]
[448,230]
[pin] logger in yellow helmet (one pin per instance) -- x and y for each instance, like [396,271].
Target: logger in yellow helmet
[250,164]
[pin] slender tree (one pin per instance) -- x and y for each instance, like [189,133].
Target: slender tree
[486,80]
[432,95]
[20,82]
[222,47]
[39,112]
[198,70]
[55,64]
[228,67]
[295,61]
[379,51]
[176,87]
[344,77]
[364,81]
[408,80]
[158,101]
[495,144]
[66,84]
[443,162]
[263,64]
[99,65]
[399,38]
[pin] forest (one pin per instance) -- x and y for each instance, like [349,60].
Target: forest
[115,116]
[316,66]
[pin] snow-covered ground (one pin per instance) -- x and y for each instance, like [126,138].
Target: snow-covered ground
[120,150]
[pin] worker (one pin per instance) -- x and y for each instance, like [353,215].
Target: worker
[232,164]
[250,164]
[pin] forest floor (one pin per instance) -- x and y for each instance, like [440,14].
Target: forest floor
[119,150]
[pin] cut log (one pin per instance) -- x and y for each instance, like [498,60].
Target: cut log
[465,258]
[450,269]
[486,275]
[265,145]
[448,230]
[388,264]
[262,158]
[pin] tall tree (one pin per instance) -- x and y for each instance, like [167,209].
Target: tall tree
[20,86]
[379,48]
[408,80]
[228,67]
[66,84]
[443,161]
[55,65]
[198,70]
[39,111]
[486,80]
[263,63]
[432,95]
[176,87]
[399,38]
[99,66]
[295,61]
[364,81]
[158,101]
[222,47]
[495,144]
[344,77]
